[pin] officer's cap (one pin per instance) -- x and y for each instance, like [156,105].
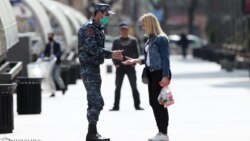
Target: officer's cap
[104,8]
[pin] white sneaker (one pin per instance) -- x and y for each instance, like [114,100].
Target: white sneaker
[159,137]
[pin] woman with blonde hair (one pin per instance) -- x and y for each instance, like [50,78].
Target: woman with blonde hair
[157,65]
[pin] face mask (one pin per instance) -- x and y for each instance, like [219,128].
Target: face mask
[104,20]
[50,39]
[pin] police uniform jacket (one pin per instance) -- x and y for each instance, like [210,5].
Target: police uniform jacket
[91,40]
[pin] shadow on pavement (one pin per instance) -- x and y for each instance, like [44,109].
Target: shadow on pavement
[234,84]
[210,75]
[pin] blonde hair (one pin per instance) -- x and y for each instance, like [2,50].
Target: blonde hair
[151,24]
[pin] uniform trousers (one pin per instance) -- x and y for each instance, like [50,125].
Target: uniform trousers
[91,78]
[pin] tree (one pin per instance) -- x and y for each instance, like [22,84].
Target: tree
[191,13]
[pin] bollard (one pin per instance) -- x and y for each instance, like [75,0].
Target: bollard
[6,108]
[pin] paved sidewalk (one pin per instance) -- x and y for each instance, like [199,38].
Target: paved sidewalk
[211,105]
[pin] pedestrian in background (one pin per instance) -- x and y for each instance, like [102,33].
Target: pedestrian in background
[158,70]
[91,54]
[129,44]
[184,44]
[53,49]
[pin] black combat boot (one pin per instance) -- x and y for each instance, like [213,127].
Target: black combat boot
[93,134]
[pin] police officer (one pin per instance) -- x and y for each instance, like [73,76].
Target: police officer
[91,55]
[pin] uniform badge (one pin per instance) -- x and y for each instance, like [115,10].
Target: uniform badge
[90,32]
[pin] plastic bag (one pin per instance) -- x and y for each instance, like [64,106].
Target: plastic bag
[42,68]
[165,97]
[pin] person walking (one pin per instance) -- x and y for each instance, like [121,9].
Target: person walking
[130,46]
[53,49]
[91,54]
[158,70]
[184,44]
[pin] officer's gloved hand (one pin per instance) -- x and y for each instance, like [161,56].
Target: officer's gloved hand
[52,57]
[42,56]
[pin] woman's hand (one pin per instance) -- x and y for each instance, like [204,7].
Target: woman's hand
[130,61]
[164,81]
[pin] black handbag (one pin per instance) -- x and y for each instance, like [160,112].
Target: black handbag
[144,76]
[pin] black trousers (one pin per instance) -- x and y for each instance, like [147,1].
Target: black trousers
[184,51]
[160,113]
[120,73]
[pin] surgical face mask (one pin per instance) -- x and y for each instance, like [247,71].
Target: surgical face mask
[50,39]
[104,20]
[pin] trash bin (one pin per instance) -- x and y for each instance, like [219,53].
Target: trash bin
[249,67]
[227,65]
[6,108]
[73,73]
[196,52]
[29,99]
[65,74]
[78,71]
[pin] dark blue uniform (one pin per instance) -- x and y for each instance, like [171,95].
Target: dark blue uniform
[91,54]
